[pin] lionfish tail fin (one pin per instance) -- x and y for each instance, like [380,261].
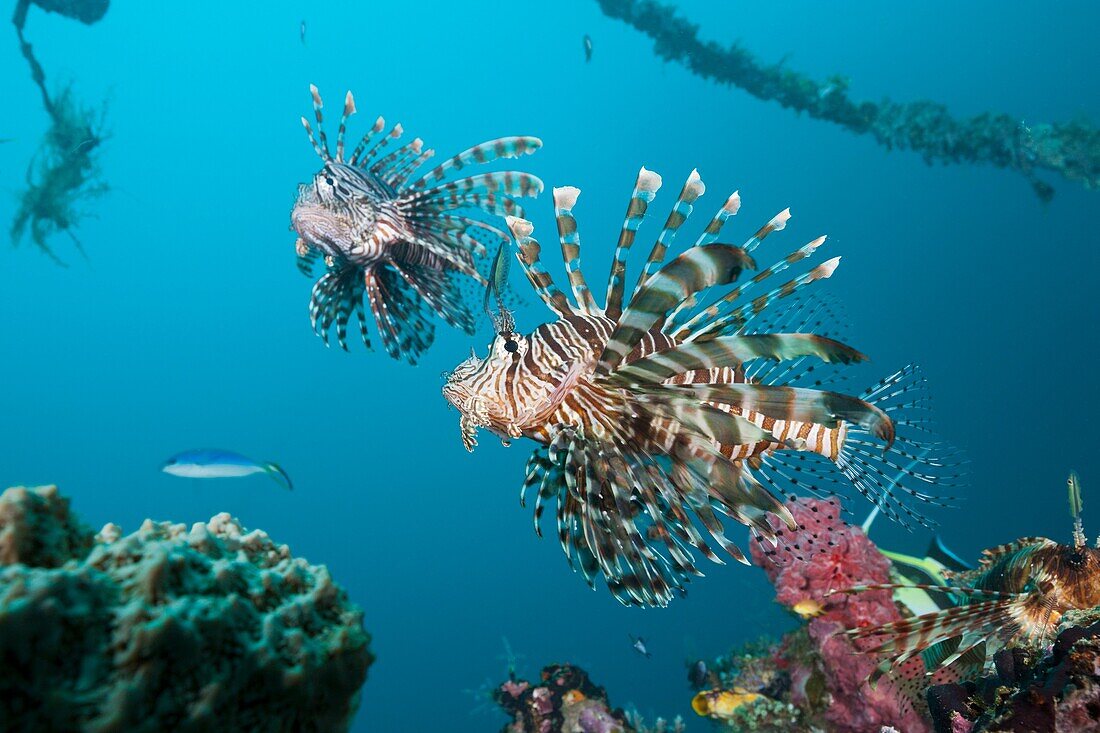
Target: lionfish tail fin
[913,463]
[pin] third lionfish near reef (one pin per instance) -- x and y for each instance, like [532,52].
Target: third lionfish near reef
[669,403]
[395,240]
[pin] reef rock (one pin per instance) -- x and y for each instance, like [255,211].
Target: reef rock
[211,628]
[1030,690]
[565,701]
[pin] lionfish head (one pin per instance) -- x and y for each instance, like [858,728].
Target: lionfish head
[480,391]
[1076,575]
[331,213]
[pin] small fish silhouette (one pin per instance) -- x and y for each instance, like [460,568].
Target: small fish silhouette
[302,32]
[639,646]
[587,48]
[222,464]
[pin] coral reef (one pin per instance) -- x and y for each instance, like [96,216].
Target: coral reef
[1030,689]
[210,628]
[564,701]
[661,725]
[64,171]
[815,677]
[1071,149]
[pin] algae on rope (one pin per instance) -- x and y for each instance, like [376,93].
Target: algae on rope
[1070,149]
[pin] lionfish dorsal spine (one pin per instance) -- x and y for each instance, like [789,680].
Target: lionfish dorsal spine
[385,166]
[709,234]
[739,316]
[714,227]
[320,144]
[565,199]
[486,152]
[540,279]
[349,110]
[694,270]
[709,316]
[680,213]
[645,189]
[376,128]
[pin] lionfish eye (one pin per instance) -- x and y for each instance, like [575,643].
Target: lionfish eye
[328,180]
[511,346]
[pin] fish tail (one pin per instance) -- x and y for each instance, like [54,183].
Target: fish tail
[914,461]
[278,475]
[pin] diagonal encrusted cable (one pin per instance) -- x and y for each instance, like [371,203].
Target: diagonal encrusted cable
[1071,149]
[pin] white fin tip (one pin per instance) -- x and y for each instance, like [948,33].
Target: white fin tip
[648,181]
[565,197]
[521,228]
[733,204]
[694,187]
[826,268]
[780,220]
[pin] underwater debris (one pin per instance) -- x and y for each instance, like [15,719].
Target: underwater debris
[564,701]
[64,172]
[169,628]
[1070,149]
[658,406]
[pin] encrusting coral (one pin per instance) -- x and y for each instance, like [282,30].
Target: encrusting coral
[814,679]
[211,628]
[564,701]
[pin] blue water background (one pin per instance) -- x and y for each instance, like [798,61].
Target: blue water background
[187,327]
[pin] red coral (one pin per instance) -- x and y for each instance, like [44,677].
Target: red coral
[822,556]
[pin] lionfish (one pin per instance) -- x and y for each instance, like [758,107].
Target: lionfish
[395,240]
[1018,593]
[655,408]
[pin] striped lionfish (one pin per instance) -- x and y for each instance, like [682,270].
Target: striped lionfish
[1018,593]
[398,241]
[646,411]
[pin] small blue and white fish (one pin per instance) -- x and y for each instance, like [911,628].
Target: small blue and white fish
[212,463]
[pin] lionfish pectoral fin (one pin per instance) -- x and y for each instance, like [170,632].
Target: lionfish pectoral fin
[401,313]
[468,427]
[435,282]
[306,257]
[904,459]
[1000,616]
[336,297]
